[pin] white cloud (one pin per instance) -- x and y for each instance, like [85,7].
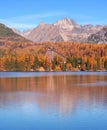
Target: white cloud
[36,16]
[20,26]
[28,21]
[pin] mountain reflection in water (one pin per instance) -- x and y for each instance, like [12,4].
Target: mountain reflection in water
[61,93]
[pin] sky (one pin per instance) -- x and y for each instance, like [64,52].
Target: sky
[26,14]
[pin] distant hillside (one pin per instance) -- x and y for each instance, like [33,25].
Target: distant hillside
[10,41]
[8,34]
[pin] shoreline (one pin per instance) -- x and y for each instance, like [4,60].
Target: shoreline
[60,71]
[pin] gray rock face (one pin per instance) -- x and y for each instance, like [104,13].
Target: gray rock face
[45,32]
[99,37]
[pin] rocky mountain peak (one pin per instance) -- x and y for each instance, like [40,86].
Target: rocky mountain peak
[42,24]
[66,23]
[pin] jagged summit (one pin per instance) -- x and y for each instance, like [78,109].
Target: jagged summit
[42,24]
[65,23]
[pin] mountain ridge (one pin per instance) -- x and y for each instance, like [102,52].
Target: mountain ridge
[64,29]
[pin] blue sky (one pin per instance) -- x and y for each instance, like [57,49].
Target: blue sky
[25,14]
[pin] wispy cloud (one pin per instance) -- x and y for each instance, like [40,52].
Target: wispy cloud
[82,16]
[29,21]
[84,19]
[20,26]
[36,16]
[93,21]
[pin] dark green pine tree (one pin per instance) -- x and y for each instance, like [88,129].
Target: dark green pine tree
[37,63]
[98,63]
[105,64]
[88,67]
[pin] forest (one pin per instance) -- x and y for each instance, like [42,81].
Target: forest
[49,56]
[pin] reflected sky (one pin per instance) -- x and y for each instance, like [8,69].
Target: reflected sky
[53,101]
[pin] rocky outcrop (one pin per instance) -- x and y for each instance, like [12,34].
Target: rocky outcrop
[45,32]
[99,37]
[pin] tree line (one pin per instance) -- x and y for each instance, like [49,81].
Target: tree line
[43,63]
[79,56]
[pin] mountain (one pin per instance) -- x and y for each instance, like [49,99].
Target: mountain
[16,31]
[66,24]
[44,32]
[7,33]
[25,33]
[62,30]
[99,37]
[65,27]
[71,31]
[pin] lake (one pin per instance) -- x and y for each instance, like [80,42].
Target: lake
[53,100]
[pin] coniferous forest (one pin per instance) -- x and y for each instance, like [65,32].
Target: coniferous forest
[48,56]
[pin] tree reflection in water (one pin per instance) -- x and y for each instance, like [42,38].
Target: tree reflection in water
[62,93]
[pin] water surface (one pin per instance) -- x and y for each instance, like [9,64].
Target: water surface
[53,101]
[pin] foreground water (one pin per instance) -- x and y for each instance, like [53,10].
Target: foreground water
[53,101]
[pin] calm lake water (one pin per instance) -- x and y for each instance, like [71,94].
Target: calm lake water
[53,101]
